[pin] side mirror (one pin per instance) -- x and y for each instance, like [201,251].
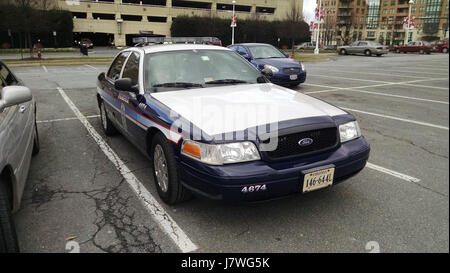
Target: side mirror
[13,95]
[267,73]
[101,76]
[125,84]
[287,55]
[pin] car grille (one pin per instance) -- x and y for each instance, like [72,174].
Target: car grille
[288,145]
[291,70]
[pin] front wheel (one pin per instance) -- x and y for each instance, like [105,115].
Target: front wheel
[343,52]
[367,53]
[398,50]
[421,51]
[107,125]
[165,172]
[445,50]
[8,236]
[379,55]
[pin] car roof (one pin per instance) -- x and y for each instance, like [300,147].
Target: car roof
[177,47]
[253,44]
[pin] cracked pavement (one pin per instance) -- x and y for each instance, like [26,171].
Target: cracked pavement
[74,191]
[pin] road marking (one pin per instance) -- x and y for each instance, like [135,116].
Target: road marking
[167,224]
[45,69]
[367,68]
[344,78]
[380,74]
[378,94]
[397,118]
[393,173]
[64,119]
[90,66]
[427,86]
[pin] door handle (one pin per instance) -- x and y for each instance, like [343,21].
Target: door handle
[22,109]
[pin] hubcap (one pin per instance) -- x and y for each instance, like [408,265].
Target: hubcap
[103,113]
[160,167]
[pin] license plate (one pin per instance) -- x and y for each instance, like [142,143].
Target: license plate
[293,77]
[315,180]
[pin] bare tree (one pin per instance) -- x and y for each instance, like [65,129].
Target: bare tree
[294,18]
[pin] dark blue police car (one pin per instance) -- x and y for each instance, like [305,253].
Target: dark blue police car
[214,126]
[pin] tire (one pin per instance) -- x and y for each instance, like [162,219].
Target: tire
[107,125]
[379,55]
[398,50]
[171,192]
[428,52]
[8,236]
[421,51]
[367,53]
[36,143]
[343,52]
[445,50]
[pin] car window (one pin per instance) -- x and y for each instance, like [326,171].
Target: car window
[116,67]
[241,50]
[355,44]
[362,44]
[177,66]
[131,69]
[265,52]
[7,76]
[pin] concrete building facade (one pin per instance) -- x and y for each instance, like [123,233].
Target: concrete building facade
[382,21]
[121,19]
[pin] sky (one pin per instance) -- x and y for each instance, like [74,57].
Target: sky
[308,9]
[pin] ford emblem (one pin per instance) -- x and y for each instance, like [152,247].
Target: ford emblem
[305,142]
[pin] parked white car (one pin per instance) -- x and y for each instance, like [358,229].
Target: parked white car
[18,142]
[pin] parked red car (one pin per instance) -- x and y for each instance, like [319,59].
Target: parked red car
[420,46]
[440,46]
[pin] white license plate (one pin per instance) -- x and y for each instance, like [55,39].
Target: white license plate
[293,77]
[318,179]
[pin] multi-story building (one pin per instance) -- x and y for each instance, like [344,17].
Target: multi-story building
[119,20]
[382,21]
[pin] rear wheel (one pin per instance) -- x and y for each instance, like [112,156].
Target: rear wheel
[397,50]
[343,52]
[421,51]
[367,52]
[165,172]
[8,236]
[107,125]
[445,50]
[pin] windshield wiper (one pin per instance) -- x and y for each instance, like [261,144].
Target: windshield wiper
[178,84]
[226,81]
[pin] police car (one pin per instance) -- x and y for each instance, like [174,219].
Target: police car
[214,126]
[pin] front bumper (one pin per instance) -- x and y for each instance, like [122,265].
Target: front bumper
[225,183]
[284,79]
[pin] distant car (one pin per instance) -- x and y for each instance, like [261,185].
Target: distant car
[307,45]
[286,71]
[367,48]
[440,46]
[19,140]
[419,46]
[86,43]
[329,47]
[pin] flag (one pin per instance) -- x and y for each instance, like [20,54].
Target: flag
[234,21]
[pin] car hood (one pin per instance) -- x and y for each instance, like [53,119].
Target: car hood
[278,62]
[224,109]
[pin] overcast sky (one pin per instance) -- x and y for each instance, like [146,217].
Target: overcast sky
[308,9]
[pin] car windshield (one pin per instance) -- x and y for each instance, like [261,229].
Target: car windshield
[265,52]
[172,70]
[375,43]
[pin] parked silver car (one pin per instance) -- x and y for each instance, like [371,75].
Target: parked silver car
[367,48]
[19,140]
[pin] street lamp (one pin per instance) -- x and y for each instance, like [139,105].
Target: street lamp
[411,2]
[233,23]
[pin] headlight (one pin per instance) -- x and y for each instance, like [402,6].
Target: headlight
[349,131]
[273,68]
[303,67]
[219,154]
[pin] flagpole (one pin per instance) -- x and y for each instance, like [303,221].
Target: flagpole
[232,24]
[316,50]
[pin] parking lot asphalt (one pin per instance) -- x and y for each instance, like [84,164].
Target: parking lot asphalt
[400,200]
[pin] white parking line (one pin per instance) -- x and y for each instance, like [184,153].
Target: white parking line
[393,173]
[379,94]
[167,224]
[380,74]
[45,69]
[397,118]
[368,69]
[344,78]
[64,119]
[90,66]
